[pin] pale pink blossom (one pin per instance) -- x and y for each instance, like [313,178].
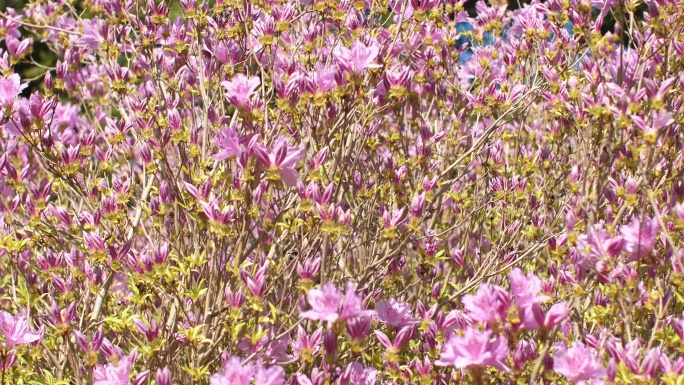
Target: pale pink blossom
[228,143]
[578,363]
[115,374]
[475,348]
[358,58]
[10,87]
[640,236]
[328,305]
[16,330]
[394,313]
[240,88]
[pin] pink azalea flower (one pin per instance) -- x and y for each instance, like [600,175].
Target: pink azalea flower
[228,53]
[556,314]
[233,373]
[679,210]
[351,306]
[281,158]
[115,374]
[526,288]
[358,58]
[228,143]
[640,237]
[524,351]
[474,348]
[358,375]
[317,378]
[489,304]
[678,325]
[394,313]
[328,305]
[578,363]
[604,6]
[322,79]
[10,87]
[240,88]
[91,34]
[11,26]
[324,303]
[307,344]
[16,329]
[272,375]
[597,244]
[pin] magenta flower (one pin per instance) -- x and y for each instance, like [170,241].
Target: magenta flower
[556,314]
[597,244]
[10,87]
[272,375]
[578,363]
[282,160]
[163,376]
[474,348]
[228,53]
[351,304]
[358,58]
[228,143]
[526,288]
[328,305]
[639,236]
[16,329]
[240,88]
[358,375]
[524,351]
[233,373]
[396,82]
[317,378]
[305,344]
[678,325]
[604,6]
[115,374]
[91,34]
[324,303]
[489,304]
[394,313]
[323,78]
[679,210]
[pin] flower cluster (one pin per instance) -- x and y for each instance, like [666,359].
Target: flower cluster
[341,192]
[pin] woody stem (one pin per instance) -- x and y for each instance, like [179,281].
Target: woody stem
[2,361]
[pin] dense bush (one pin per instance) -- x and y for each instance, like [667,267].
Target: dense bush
[332,192]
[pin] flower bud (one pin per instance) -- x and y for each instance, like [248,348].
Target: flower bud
[679,210]
[10,359]
[457,257]
[235,300]
[436,289]
[163,376]
[330,343]
[141,378]
[651,364]
[418,205]
[48,80]
[358,327]
[524,351]
[62,69]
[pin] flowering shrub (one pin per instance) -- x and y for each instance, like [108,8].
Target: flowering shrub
[325,192]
